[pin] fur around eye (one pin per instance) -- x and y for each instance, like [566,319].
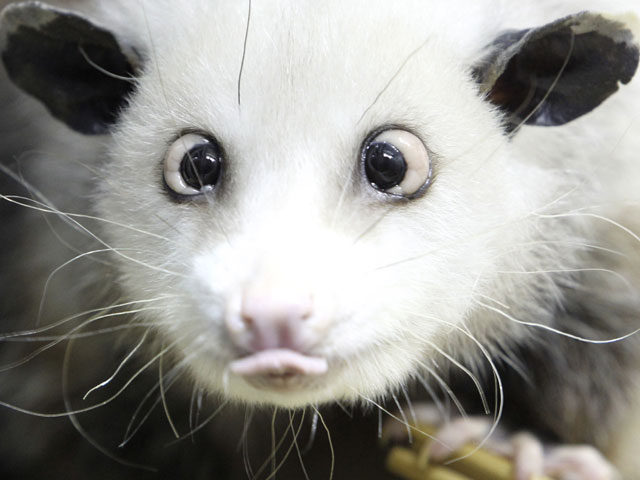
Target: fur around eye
[397,162]
[192,164]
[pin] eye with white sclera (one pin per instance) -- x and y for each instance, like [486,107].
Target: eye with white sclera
[192,164]
[396,162]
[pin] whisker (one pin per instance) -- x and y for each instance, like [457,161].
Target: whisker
[203,424]
[192,402]
[555,330]
[498,383]
[432,395]
[129,79]
[597,217]
[295,442]
[56,271]
[76,423]
[380,408]
[45,207]
[244,51]
[130,431]
[312,433]
[36,331]
[120,366]
[164,397]
[53,343]
[569,270]
[286,455]
[244,439]
[343,193]
[270,460]
[412,412]
[551,88]
[172,376]
[372,226]
[446,388]
[97,238]
[391,80]
[89,334]
[333,455]
[344,409]
[405,421]
[468,372]
[97,405]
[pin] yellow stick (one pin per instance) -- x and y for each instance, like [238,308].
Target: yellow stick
[403,462]
[477,464]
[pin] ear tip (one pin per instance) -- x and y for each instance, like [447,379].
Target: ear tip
[629,21]
[32,14]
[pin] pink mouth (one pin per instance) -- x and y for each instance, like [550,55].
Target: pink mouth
[280,363]
[280,370]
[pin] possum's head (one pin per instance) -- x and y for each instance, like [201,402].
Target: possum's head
[311,201]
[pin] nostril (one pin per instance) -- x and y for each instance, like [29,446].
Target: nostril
[247,320]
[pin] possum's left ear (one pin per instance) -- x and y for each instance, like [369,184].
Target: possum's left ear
[554,74]
[77,69]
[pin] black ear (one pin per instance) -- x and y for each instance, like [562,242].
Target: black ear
[77,69]
[554,74]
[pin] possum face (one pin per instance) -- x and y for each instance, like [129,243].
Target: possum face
[312,207]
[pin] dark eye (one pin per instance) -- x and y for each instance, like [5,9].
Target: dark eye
[397,162]
[192,164]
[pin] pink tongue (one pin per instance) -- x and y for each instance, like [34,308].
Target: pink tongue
[279,362]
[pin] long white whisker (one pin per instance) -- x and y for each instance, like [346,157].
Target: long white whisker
[287,453]
[446,388]
[163,396]
[102,242]
[36,331]
[555,330]
[97,405]
[53,343]
[120,366]
[405,421]
[432,395]
[631,233]
[496,376]
[244,439]
[58,269]
[298,451]
[172,376]
[415,428]
[203,424]
[312,433]
[333,455]
[48,208]
[102,70]
[468,372]
[75,422]
[90,333]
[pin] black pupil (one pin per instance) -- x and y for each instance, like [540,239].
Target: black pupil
[384,165]
[200,166]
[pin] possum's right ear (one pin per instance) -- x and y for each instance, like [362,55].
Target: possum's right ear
[78,70]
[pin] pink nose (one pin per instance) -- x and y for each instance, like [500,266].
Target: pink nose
[274,318]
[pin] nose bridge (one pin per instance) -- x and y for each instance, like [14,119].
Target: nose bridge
[278,298]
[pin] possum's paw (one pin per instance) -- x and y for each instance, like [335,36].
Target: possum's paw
[531,458]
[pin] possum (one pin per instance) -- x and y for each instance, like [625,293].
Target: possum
[242,222]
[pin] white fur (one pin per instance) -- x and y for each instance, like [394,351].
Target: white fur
[293,203]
